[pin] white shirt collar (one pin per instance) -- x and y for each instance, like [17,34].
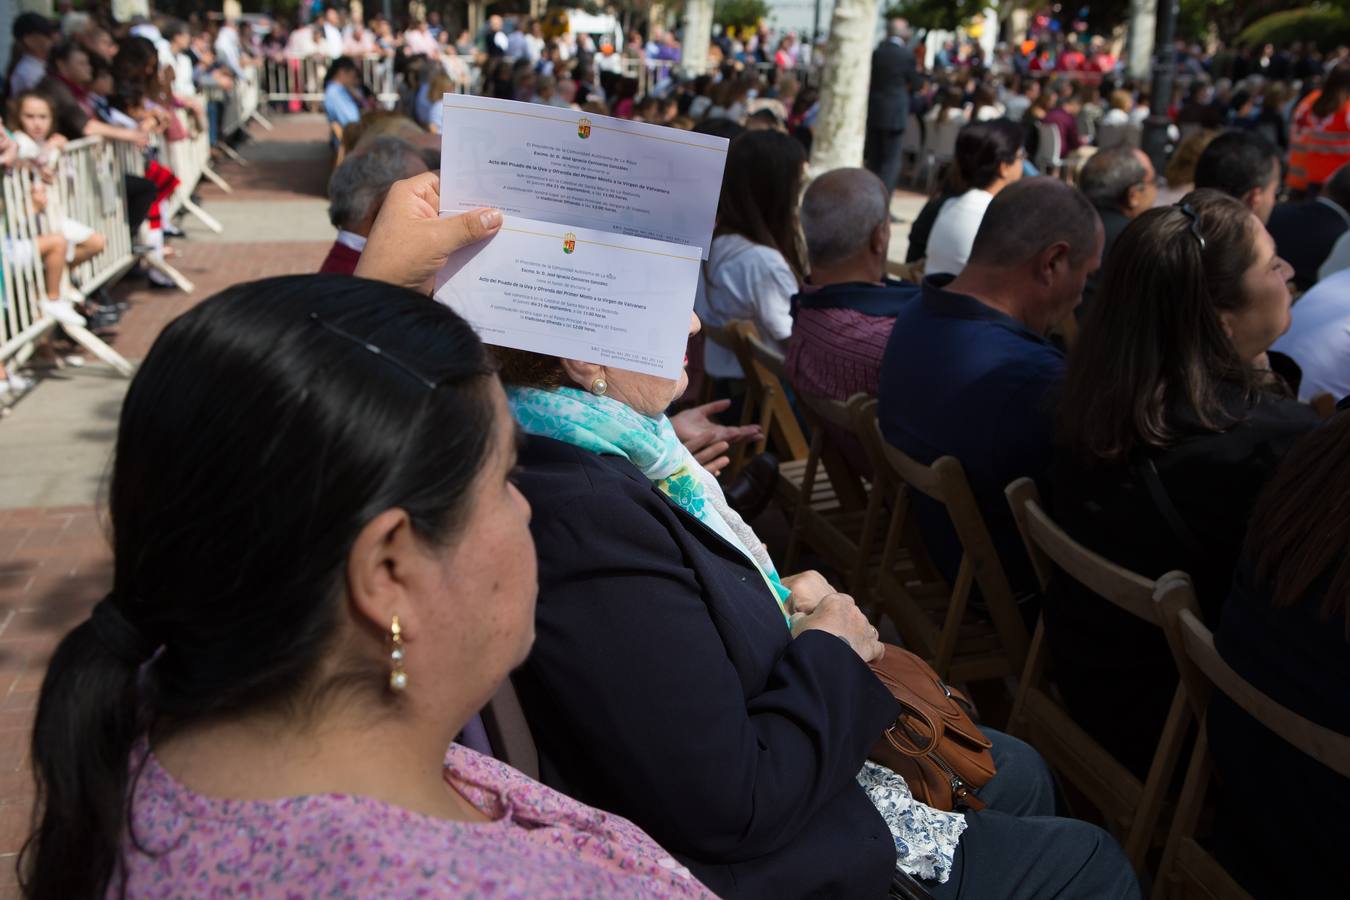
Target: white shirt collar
[351,239]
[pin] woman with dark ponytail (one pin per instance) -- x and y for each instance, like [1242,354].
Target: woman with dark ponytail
[322,572]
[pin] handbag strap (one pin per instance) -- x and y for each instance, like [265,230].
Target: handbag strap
[935,730]
[1157,492]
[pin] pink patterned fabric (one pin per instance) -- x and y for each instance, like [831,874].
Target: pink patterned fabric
[538,844]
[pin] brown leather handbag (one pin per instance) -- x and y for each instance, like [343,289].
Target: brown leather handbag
[933,744]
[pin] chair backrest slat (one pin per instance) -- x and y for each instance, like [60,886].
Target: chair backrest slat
[763,367]
[1322,744]
[509,732]
[1044,539]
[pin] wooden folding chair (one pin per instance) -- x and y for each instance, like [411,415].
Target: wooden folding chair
[764,378]
[906,271]
[1131,808]
[934,618]
[1324,404]
[1187,869]
[729,337]
[508,732]
[835,522]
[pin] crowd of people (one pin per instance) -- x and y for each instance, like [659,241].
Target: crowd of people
[399,518]
[144,84]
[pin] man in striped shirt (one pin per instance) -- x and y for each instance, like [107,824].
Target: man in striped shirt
[843,319]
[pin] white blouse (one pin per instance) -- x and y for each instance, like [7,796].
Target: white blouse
[954,230]
[744,280]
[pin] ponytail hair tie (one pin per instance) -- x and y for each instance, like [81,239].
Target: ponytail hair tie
[119,635]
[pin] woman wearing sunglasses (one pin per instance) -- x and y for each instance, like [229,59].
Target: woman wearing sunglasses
[1172,419]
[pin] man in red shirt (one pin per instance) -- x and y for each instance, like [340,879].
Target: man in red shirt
[1072,59]
[357,191]
[1065,119]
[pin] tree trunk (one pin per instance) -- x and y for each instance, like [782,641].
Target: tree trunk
[698,22]
[842,123]
[1139,43]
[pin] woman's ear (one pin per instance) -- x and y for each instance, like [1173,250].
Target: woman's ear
[384,568]
[1226,319]
[582,374]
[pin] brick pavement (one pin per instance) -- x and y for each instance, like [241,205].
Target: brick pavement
[211,267]
[55,563]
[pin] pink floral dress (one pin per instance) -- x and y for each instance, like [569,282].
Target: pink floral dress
[538,844]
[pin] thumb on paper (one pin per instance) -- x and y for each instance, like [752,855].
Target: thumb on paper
[470,227]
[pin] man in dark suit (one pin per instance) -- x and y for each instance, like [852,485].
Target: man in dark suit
[894,74]
[1121,185]
[1305,232]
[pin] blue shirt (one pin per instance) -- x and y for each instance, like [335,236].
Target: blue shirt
[963,379]
[340,105]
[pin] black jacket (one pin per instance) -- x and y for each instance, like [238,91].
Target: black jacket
[1114,670]
[894,74]
[664,686]
[1304,234]
[1113,223]
[1301,660]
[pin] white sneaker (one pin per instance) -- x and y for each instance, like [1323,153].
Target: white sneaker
[16,384]
[63,311]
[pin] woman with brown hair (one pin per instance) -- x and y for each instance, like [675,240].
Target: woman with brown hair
[757,262]
[1286,629]
[1170,423]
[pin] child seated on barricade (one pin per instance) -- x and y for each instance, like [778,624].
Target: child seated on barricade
[34,123]
[31,250]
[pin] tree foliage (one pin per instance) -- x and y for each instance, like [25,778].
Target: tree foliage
[740,13]
[945,15]
[1324,25]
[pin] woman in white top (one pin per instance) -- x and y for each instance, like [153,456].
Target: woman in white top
[984,105]
[756,263]
[988,158]
[951,107]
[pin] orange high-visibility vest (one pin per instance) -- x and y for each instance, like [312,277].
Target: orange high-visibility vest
[1318,145]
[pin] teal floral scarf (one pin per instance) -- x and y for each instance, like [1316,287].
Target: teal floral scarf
[605,426]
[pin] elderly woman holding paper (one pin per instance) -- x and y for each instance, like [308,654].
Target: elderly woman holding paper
[678,680]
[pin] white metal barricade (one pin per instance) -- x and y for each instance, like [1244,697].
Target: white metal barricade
[190,160]
[89,190]
[132,159]
[24,320]
[294,80]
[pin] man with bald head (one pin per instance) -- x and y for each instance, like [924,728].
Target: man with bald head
[968,371]
[842,320]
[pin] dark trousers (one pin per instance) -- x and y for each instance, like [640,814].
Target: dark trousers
[881,152]
[141,195]
[1015,849]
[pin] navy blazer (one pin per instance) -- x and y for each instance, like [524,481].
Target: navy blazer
[664,686]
